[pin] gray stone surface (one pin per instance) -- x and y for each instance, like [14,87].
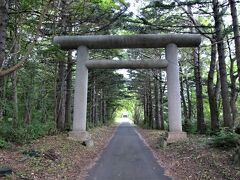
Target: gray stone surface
[173,89]
[127,158]
[88,143]
[124,64]
[128,41]
[79,136]
[176,136]
[80,91]
[168,41]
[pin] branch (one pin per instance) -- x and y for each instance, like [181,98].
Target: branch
[195,23]
[4,72]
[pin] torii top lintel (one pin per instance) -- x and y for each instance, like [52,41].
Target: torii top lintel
[127,41]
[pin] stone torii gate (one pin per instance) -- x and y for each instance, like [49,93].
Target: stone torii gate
[170,42]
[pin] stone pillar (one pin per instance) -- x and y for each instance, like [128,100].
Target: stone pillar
[174,98]
[80,97]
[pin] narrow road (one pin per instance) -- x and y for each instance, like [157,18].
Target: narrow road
[127,158]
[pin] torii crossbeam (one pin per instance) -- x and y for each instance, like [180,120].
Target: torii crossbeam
[170,42]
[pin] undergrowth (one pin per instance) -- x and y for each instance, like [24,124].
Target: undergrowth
[226,139]
[24,133]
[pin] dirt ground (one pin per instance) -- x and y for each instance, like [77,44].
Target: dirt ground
[55,157]
[193,159]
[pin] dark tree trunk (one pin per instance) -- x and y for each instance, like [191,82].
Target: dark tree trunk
[15,100]
[94,102]
[233,77]
[60,112]
[61,97]
[150,106]
[3,29]
[227,117]
[27,110]
[161,93]
[68,106]
[15,50]
[156,100]
[189,100]
[184,104]
[211,90]
[145,106]
[233,6]
[199,98]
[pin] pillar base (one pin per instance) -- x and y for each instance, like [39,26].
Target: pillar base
[173,137]
[79,136]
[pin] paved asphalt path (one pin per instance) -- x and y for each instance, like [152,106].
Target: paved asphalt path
[127,158]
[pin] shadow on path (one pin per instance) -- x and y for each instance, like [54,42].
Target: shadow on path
[127,158]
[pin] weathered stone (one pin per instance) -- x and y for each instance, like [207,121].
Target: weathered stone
[80,92]
[79,136]
[128,41]
[162,142]
[171,42]
[88,143]
[173,89]
[176,136]
[122,64]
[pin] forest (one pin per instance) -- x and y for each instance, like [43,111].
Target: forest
[37,77]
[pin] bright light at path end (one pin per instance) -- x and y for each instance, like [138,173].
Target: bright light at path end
[123,120]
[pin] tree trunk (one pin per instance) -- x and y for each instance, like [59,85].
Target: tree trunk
[145,105]
[184,104]
[3,29]
[150,105]
[156,98]
[233,93]
[233,7]
[211,90]
[199,99]
[161,93]
[61,97]
[227,117]
[15,100]
[68,106]
[61,86]
[189,99]
[27,110]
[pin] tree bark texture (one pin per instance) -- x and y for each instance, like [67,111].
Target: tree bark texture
[68,106]
[3,29]
[61,84]
[156,99]
[233,78]
[161,93]
[61,97]
[211,90]
[201,127]
[189,99]
[184,104]
[234,14]
[227,117]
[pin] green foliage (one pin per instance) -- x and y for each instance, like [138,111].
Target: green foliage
[23,134]
[3,144]
[190,127]
[226,138]
[32,153]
